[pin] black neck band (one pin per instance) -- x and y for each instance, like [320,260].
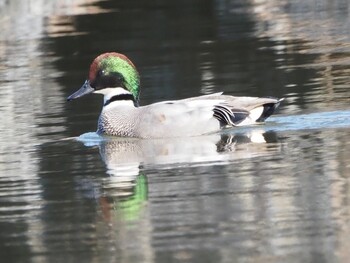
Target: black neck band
[120,97]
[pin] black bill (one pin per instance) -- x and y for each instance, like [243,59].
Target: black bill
[84,90]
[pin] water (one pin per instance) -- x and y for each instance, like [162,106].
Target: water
[274,192]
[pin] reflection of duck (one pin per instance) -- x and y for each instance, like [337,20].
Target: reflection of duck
[114,76]
[125,189]
[123,156]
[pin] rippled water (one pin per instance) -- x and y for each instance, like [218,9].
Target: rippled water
[277,192]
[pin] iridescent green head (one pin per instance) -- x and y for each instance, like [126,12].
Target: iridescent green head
[111,70]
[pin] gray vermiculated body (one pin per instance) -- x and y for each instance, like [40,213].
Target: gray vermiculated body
[156,121]
[187,117]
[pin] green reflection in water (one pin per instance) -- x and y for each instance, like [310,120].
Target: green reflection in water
[130,208]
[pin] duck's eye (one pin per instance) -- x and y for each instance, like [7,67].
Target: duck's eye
[101,73]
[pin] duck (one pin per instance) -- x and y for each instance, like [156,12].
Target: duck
[114,76]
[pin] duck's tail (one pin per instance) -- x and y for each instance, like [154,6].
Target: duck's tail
[268,110]
[262,109]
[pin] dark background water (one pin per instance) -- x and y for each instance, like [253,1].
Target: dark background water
[278,192]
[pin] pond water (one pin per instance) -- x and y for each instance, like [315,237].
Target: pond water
[277,192]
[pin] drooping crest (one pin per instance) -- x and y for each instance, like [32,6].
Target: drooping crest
[117,63]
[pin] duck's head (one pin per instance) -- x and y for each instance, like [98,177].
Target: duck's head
[113,75]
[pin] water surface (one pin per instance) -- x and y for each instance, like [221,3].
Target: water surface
[273,192]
